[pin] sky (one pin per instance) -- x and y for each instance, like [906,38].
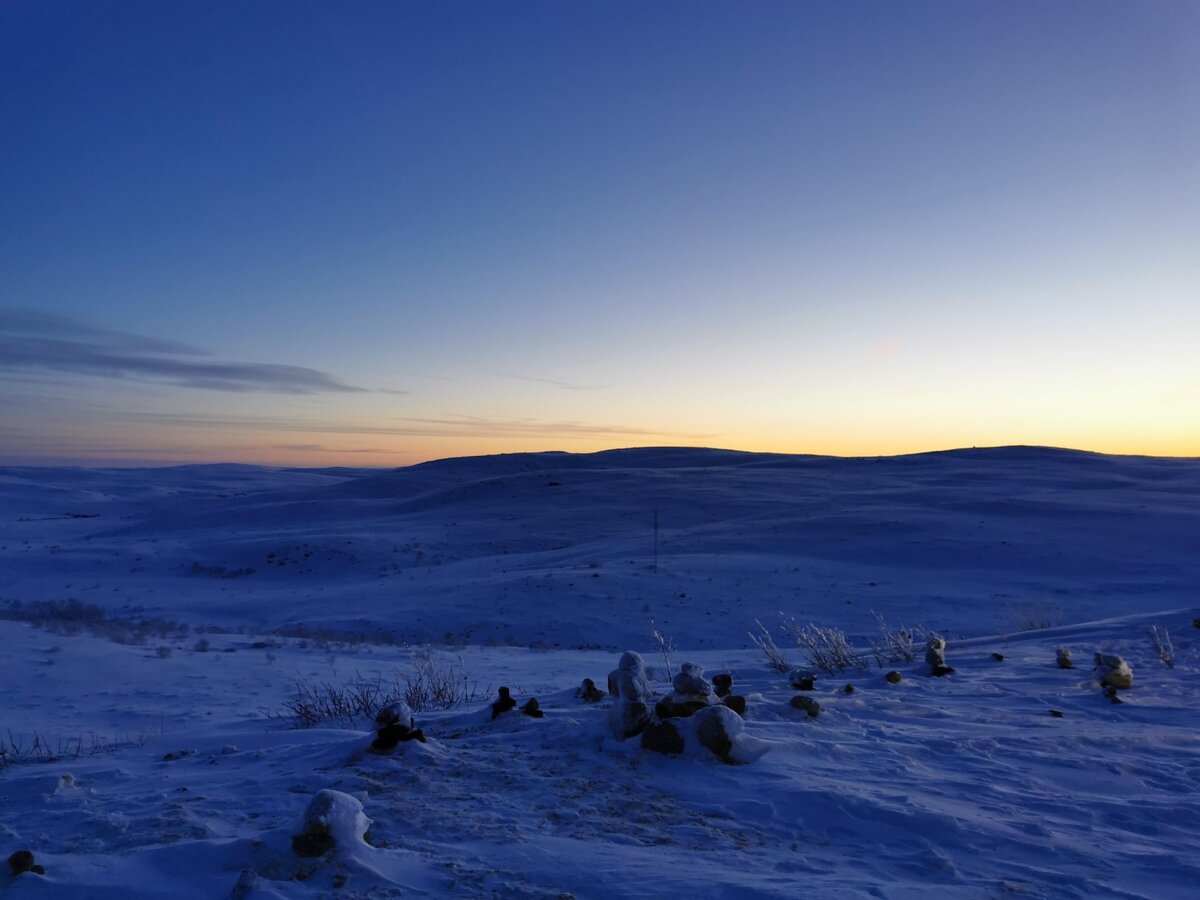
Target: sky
[371,234]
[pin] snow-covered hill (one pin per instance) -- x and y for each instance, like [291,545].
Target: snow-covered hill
[537,569]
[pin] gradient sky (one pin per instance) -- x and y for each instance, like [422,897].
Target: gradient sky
[377,233]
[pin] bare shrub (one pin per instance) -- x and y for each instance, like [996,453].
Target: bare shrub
[36,747]
[1035,615]
[895,644]
[1160,640]
[765,642]
[827,648]
[666,648]
[435,684]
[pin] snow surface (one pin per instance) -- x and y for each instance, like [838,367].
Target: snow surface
[539,570]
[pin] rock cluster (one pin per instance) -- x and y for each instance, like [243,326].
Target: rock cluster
[631,692]
[393,724]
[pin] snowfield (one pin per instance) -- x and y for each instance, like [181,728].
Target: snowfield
[164,768]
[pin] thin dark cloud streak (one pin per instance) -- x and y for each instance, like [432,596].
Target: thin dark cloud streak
[32,342]
[456,426]
[565,385]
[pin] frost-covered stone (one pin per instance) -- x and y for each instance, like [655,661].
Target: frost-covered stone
[631,709]
[332,819]
[691,681]
[935,656]
[1062,658]
[802,679]
[717,729]
[398,713]
[631,681]
[1115,672]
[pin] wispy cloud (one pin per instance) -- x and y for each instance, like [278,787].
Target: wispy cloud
[565,385]
[35,342]
[468,426]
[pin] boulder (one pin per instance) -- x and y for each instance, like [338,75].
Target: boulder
[848,689]
[893,677]
[673,707]
[331,818]
[723,684]
[662,737]
[935,652]
[627,718]
[1114,671]
[717,728]
[503,703]
[806,705]
[736,702]
[801,679]
[21,862]
[1062,658]
[397,713]
[998,657]
[691,681]
[589,693]
[532,709]
[631,708]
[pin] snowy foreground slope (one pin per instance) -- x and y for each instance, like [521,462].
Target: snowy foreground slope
[539,570]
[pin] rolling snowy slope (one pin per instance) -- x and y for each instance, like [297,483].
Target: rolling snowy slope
[559,549]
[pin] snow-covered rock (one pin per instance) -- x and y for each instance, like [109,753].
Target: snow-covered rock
[332,819]
[1115,672]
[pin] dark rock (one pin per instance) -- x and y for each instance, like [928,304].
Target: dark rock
[533,709]
[1057,713]
[589,693]
[504,703]
[1062,658]
[723,684]
[893,677]
[806,704]
[22,861]
[1110,691]
[998,657]
[1115,671]
[716,727]
[802,679]
[662,737]
[670,709]
[1196,623]
[309,845]
[848,689]
[390,735]
[736,702]
[940,671]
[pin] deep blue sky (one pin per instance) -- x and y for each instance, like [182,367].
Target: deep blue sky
[836,227]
